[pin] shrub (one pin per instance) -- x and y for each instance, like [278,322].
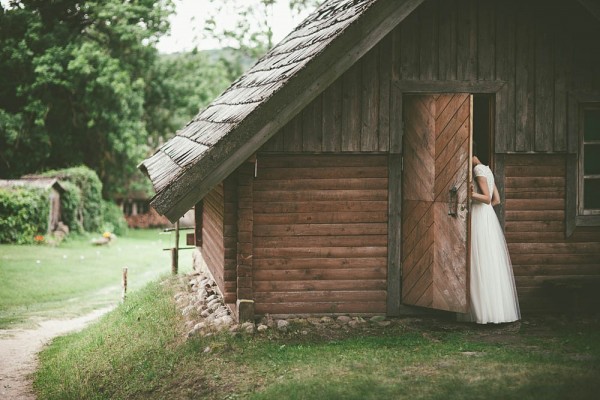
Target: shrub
[72,207]
[23,214]
[114,221]
[91,193]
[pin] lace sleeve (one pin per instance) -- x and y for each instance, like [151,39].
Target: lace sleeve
[479,170]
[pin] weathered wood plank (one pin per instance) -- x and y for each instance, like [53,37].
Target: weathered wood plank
[535,226]
[321,229]
[322,206]
[394,262]
[386,53]
[535,204]
[360,308]
[313,285]
[562,57]
[525,81]
[322,173]
[486,31]
[332,160]
[409,56]
[467,37]
[312,127]
[428,43]
[316,296]
[320,241]
[351,108]
[320,217]
[332,117]
[324,263]
[544,89]
[319,274]
[447,39]
[545,215]
[557,170]
[321,195]
[505,71]
[328,183]
[372,251]
[369,129]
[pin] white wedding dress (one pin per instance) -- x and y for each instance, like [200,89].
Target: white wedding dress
[492,283]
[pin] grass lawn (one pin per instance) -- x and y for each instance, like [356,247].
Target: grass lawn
[76,276]
[140,351]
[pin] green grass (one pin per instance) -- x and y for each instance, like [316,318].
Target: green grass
[76,276]
[139,351]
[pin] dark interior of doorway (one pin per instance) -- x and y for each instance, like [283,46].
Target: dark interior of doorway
[482,128]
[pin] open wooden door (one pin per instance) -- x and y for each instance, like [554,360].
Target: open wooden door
[435,182]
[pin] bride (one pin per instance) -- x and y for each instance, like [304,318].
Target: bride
[493,293]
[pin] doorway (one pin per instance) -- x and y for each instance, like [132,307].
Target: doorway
[482,128]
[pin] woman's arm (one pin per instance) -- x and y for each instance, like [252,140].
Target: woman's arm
[484,196]
[495,196]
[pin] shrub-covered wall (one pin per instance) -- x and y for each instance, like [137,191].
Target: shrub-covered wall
[23,214]
[88,213]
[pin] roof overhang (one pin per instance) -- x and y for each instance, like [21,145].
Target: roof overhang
[220,160]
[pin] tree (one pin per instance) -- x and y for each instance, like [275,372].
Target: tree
[179,85]
[73,84]
[251,33]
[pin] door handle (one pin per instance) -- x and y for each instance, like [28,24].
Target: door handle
[453,202]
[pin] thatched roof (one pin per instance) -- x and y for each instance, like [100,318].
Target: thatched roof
[260,102]
[40,183]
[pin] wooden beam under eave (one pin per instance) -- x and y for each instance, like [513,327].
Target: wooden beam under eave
[256,129]
[592,6]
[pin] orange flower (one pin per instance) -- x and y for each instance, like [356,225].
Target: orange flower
[39,239]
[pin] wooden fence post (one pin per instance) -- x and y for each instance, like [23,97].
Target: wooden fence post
[175,251]
[124,294]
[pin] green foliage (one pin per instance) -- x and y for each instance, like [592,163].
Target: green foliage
[90,207]
[114,221]
[178,87]
[251,33]
[72,207]
[23,214]
[73,81]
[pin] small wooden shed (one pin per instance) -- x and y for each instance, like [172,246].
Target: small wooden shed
[332,176]
[54,188]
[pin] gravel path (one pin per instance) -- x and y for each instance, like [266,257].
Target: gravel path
[19,349]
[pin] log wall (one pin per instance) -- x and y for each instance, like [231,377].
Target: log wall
[535,230]
[219,236]
[541,49]
[320,234]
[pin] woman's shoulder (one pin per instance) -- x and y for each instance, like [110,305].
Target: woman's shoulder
[480,169]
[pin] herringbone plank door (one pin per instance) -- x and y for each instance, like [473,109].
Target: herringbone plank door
[435,185]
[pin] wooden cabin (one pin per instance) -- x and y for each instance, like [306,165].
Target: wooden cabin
[331,178]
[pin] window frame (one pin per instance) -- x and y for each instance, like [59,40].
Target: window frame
[575,214]
[581,177]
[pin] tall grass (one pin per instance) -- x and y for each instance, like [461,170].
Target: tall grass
[139,351]
[76,276]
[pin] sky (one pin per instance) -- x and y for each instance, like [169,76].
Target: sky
[186,26]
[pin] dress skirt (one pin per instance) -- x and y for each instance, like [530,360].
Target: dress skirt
[492,285]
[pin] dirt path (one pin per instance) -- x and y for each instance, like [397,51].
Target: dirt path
[19,349]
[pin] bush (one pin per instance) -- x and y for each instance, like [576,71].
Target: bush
[72,207]
[23,214]
[114,221]
[91,194]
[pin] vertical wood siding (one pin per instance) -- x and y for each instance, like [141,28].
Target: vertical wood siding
[219,237]
[320,234]
[535,229]
[541,49]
